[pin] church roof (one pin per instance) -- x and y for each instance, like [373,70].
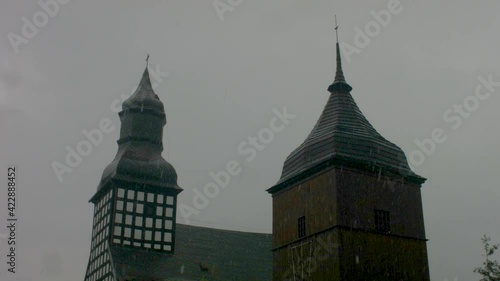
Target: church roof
[343,135]
[139,156]
[200,252]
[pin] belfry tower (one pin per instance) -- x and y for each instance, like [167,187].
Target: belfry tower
[135,202]
[347,206]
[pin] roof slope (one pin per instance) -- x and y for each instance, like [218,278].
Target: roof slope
[228,255]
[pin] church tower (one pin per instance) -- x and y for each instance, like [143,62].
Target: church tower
[347,206]
[135,202]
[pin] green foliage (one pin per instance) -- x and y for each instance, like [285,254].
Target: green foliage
[491,268]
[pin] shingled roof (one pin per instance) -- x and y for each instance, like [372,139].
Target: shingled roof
[140,145]
[343,135]
[200,252]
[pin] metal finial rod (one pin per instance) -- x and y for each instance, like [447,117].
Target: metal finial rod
[336,29]
[147,60]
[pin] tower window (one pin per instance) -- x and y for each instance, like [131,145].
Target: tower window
[169,212]
[138,221]
[149,222]
[121,192]
[130,206]
[118,218]
[128,232]
[158,223]
[130,194]
[167,237]
[119,205]
[159,211]
[148,234]
[139,209]
[140,196]
[151,197]
[168,224]
[382,221]
[302,227]
[118,231]
[128,219]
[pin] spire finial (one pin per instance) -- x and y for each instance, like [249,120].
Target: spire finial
[336,29]
[145,80]
[339,76]
[339,83]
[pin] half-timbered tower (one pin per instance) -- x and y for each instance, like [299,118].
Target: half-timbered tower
[136,198]
[135,235]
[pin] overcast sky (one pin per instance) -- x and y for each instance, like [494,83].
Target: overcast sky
[222,74]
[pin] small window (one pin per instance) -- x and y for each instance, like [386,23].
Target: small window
[148,235]
[382,221]
[151,197]
[128,219]
[138,221]
[169,212]
[130,194]
[158,223]
[302,227]
[130,206]
[128,232]
[140,196]
[118,231]
[159,211]
[121,192]
[167,237]
[168,224]
[140,208]
[170,200]
[118,218]
[149,222]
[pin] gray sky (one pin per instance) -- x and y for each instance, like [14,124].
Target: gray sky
[226,74]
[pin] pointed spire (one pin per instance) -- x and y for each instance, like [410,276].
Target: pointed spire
[145,80]
[339,83]
[144,96]
[339,75]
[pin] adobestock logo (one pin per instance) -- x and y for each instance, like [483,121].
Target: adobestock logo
[94,137]
[454,116]
[233,168]
[372,29]
[30,27]
[224,6]
[309,256]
